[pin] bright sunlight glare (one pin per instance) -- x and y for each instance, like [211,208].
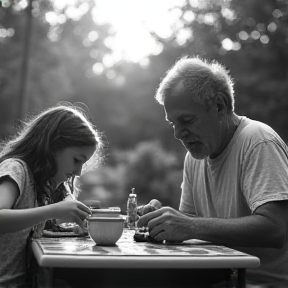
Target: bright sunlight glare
[132,22]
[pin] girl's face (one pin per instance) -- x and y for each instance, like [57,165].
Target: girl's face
[70,161]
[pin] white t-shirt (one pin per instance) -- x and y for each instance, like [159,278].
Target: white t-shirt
[251,171]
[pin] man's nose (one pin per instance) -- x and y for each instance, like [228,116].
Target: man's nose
[179,131]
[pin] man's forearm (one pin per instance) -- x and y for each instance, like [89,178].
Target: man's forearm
[252,231]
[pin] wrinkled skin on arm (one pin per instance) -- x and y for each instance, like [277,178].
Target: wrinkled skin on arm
[267,227]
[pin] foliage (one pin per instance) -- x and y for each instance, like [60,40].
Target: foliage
[149,168]
[250,37]
[153,172]
[247,36]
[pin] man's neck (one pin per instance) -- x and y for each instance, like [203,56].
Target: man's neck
[233,122]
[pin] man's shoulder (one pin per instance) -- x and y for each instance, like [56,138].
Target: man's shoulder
[253,125]
[257,131]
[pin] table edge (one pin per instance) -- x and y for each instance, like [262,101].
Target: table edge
[70,261]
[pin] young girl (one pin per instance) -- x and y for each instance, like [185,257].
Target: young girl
[51,149]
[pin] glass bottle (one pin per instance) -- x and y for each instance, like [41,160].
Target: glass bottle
[132,209]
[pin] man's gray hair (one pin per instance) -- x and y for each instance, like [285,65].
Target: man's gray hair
[205,81]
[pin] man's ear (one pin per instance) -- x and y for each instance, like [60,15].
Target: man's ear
[221,105]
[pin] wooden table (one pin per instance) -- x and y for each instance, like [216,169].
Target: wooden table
[128,255]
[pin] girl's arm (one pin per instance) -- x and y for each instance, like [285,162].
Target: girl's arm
[12,220]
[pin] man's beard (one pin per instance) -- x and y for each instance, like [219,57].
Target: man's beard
[197,150]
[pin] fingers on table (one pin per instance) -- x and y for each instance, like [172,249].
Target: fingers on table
[150,218]
[85,209]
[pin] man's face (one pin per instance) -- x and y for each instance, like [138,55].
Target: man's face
[70,161]
[196,126]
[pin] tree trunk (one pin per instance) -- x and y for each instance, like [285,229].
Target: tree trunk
[22,105]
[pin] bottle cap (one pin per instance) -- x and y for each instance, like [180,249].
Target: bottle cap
[132,194]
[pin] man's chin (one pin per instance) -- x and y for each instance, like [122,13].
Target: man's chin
[199,155]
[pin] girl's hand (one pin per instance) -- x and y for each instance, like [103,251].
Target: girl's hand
[71,211]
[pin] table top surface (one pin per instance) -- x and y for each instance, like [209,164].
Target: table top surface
[82,252]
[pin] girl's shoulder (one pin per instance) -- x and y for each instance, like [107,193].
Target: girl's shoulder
[19,171]
[15,168]
[13,164]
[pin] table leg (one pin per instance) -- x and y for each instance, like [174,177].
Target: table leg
[241,281]
[45,277]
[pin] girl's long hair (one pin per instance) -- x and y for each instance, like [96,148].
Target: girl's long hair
[50,131]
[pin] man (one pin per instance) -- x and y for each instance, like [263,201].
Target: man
[235,179]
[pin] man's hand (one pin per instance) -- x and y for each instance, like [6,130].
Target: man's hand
[167,224]
[153,205]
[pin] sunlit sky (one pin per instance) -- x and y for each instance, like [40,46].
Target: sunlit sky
[132,21]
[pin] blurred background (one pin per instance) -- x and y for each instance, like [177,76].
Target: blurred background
[111,55]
